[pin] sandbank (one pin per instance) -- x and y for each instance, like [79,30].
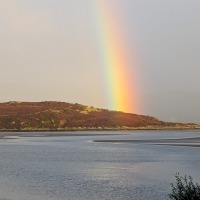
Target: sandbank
[192,142]
[8,135]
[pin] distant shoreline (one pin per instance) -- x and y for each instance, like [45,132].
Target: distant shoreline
[74,129]
[5,134]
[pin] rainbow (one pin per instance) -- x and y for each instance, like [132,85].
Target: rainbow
[117,66]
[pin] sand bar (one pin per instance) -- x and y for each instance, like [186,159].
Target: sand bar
[51,134]
[193,142]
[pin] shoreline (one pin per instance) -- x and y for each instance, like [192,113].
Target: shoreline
[74,129]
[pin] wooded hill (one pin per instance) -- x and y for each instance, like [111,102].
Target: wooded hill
[66,116]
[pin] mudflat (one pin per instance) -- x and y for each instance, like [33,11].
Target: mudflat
[193,141]
[189,141]
[7,135]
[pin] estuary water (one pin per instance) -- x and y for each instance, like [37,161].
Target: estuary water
[76,168]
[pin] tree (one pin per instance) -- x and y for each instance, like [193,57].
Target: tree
[184,189]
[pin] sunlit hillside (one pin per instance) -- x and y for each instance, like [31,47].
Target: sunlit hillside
[66,116]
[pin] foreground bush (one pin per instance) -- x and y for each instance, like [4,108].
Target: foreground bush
[185,189]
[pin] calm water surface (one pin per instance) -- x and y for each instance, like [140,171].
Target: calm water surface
[75,168]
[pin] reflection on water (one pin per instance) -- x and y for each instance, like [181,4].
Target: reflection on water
[75,168]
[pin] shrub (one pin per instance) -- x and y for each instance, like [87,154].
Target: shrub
[184,189]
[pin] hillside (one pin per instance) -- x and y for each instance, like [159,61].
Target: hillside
[65,116]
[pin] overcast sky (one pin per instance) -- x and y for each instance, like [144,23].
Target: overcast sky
[48,51]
